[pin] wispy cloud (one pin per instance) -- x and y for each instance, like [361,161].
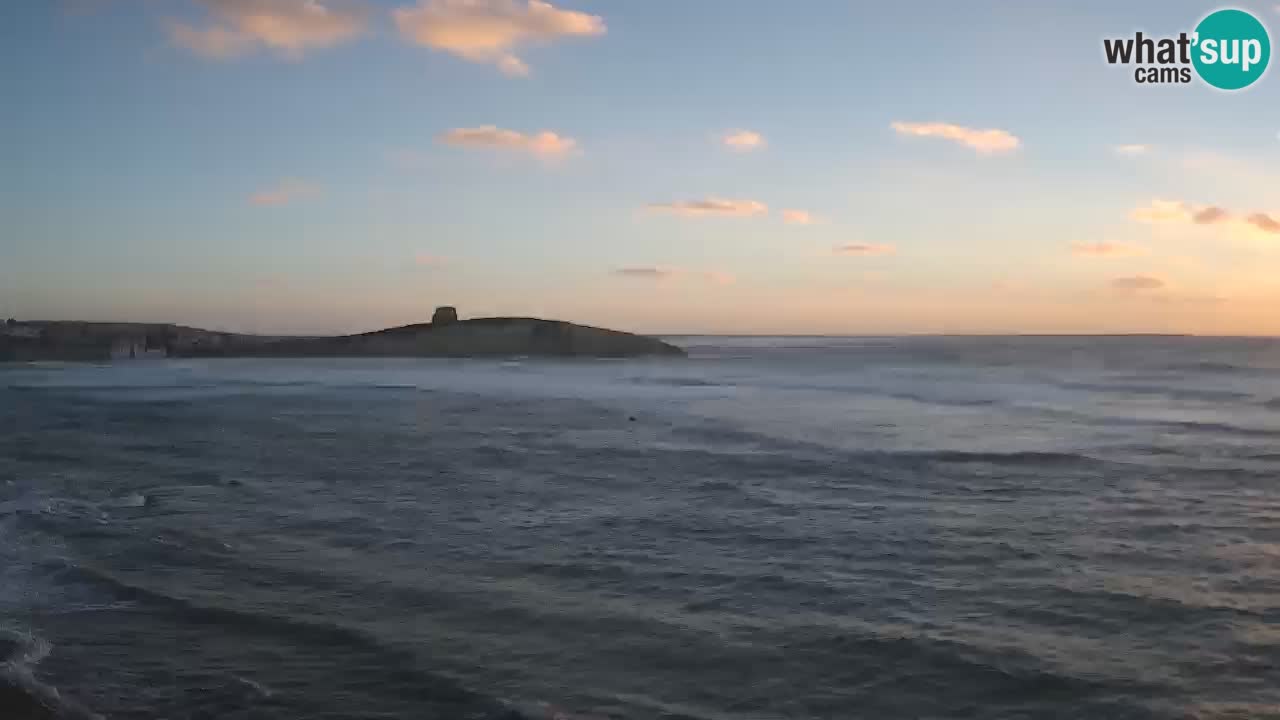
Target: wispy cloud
[1162,211]
[290,27]
[743,140]
[1227,171]
[1176,211]
[714,277]
[429,260]
[406,159]
[797,217]
[654,273]
[1103,249]
[544,144]
[1137,283]
[1209,215]
[283,193]
[1189,299]
[985,141]
[864,249]
[490,31]
[216,42]
[718,277]
[712,207]
[1264,222]
[1132,150]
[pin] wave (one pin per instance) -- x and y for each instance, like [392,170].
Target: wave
[1169,391]
[74,508]
[801,455]
[1219,368]
[683,382]
[1210,427]
[1025,457]
[390,668]
[898,393]
[1205,426]
[897,665]
[23,649]
[257,622]
[1123,608]
[925,399]
[23,696]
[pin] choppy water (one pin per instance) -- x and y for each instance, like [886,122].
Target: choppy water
[773,528]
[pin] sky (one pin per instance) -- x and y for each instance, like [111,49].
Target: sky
[754,167]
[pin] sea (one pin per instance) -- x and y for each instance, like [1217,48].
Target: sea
[772,528]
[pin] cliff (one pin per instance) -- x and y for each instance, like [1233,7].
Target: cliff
[445,337]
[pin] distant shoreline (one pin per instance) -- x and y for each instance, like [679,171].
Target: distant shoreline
[482,337]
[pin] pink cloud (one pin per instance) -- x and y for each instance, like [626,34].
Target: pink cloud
[1176,299]
[490,31]
[407,159]
[797,217]
[290,27]
[543,144]
[1132,150]
[1264,222]
[653,273]
[1103,249]
[985,141]
[1162,211]
[1209,215]
[712,206]
[1137,283]
[714,277]
[865,249]
[429,260]
[283,193]
[215,42]
[1176,211]
[743,140]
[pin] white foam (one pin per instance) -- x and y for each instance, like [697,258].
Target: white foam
[132,500]
[257,687]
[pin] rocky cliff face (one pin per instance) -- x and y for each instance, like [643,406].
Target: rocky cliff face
[82,341]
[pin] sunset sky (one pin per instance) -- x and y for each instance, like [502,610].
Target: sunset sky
[657,166]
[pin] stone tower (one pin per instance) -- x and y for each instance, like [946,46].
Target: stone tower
[444,315]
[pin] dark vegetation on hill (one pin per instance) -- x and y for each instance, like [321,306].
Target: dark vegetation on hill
[444,337]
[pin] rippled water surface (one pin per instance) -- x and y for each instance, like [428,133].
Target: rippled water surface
[772,528]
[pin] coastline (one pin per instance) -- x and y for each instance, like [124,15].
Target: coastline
[76,341]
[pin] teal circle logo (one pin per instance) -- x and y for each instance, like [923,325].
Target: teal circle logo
[1232,49]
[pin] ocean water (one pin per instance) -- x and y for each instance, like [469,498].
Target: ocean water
[772,528]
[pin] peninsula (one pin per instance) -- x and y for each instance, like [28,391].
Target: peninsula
[444,336]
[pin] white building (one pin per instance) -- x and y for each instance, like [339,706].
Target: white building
[134,348]
[21,330]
